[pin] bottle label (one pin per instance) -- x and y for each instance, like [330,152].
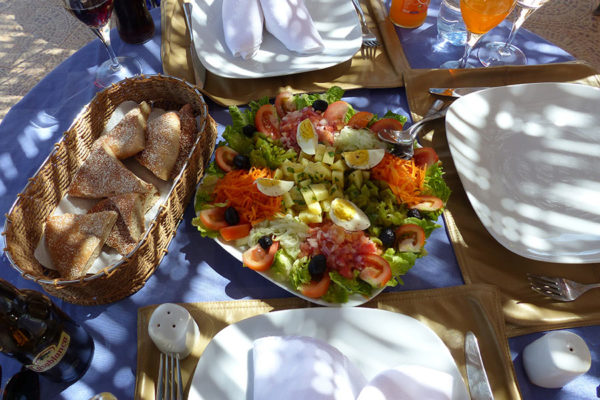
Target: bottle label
[414,6]
[51,355]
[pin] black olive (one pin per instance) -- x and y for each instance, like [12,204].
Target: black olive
[241,162]
[387,237]
[248,130]
[320,105]
[231,216]
[413,212]
[265,242]
[317,266]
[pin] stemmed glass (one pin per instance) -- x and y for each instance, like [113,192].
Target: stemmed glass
[506,53]
[96,15]
[480,17]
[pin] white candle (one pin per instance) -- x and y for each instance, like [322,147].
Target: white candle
[556,358]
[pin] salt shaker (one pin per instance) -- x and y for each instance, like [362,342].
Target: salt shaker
[450,24]
[556,358]
[173,329]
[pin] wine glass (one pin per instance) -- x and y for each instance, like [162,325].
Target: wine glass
[506,53]
[480,17]
[96,15]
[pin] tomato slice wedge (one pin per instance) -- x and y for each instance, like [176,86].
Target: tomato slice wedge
[376,271]
[257,259]
[234,232]
[284,103]
[224,157]
[213,218]
[387,123]
[429,203]
[316,289]
[267,121]
[425,156]
[410,237]
[336,112]
[360,120]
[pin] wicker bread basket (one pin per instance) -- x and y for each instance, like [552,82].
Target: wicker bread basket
[24,222]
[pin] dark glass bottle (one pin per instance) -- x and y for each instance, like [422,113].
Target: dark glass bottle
[134,22]
[40,336]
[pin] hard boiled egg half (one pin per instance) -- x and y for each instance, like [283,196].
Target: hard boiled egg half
[307,138]
[363,159]
[273,187]
[346,214]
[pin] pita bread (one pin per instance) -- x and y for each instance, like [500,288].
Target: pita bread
[75,240]
[162,145]
[128,137]
[189,132]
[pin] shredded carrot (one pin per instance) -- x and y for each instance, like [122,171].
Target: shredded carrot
[403,176]
[237,188]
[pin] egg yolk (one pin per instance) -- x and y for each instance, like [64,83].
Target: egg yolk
[358,157]
[343,210]
[306,130]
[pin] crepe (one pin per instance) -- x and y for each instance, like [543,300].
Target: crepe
[242,27]
[162,145]
[129,226]
[103,175]
[75,240]
[128,137]
[188,137]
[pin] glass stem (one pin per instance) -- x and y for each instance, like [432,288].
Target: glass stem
[472,39]
[104,35]
[524,13]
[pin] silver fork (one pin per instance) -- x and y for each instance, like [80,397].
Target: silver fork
[561,289]
[368,38]
[169,385]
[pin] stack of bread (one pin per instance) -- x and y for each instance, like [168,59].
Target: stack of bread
[117,220]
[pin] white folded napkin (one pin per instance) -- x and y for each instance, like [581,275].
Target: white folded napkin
[291,23]
[302,368]
[408,382]
[242,26]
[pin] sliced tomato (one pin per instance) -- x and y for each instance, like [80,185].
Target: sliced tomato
[224,157]
[258,259]
[360,120]
[267,121]
[213,218]
[387,123]
[425,156]
[429,203]
[284,103]
[316,289]
[336,112]
[410,237]
[234,232]
[376,271]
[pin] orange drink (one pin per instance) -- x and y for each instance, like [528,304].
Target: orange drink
[408,13]
[481,16]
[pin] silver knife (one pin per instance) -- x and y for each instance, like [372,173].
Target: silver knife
[479,386]
[455,92]
[199,70]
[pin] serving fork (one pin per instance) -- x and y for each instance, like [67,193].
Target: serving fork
[560,289]
[368,38]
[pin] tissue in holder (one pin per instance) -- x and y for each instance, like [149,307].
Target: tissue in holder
[242,26]
[299,367]
[173,329]
[291,23]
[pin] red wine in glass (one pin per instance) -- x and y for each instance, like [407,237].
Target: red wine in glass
[96,15]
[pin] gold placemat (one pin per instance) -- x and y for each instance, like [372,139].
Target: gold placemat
[374,68]
[449,312]
[481,258]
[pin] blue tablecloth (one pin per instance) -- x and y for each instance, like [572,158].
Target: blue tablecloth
[197,269]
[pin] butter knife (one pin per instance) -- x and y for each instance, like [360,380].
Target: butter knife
[455,92]
[479,386]
[199,70]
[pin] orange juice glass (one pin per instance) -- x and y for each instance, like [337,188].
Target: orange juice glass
[481,16]
[408,13]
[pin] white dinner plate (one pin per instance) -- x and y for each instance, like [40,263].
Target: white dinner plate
[353,300]
[374,340]
[528,157]
[336,21]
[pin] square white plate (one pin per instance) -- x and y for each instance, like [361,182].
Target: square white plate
[336,21]
[528,157]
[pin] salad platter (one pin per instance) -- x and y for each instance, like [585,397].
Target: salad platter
[304,192]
